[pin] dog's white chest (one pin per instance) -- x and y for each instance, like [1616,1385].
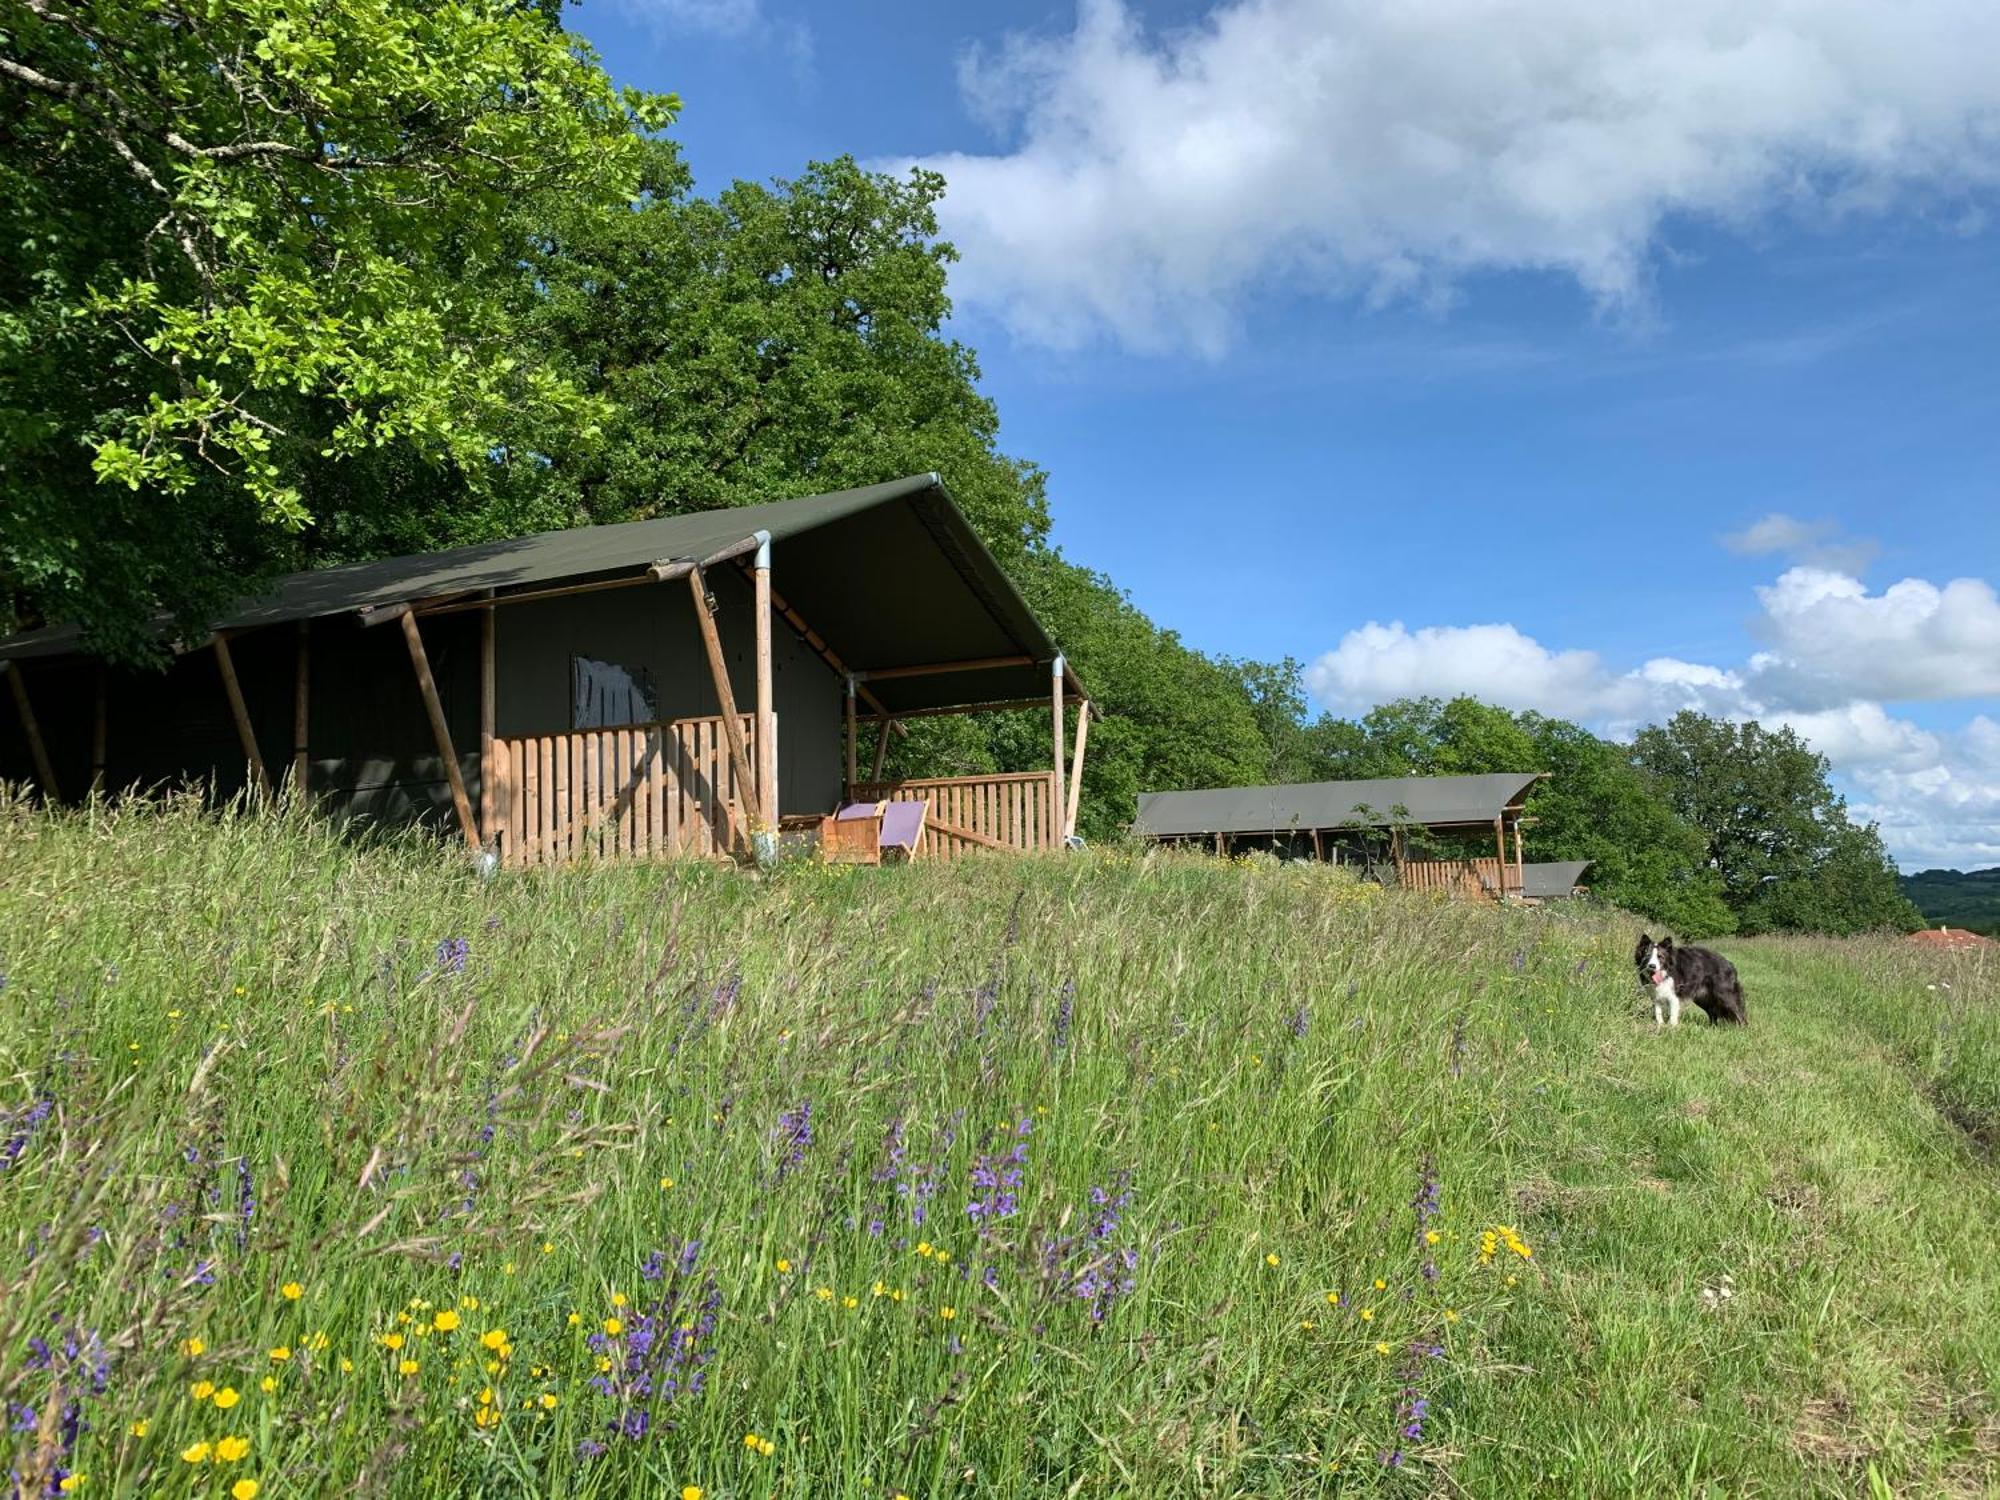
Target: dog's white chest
[1664,991]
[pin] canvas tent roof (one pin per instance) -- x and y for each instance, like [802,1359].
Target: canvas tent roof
[891,575]
[1433,801]
[1552,878]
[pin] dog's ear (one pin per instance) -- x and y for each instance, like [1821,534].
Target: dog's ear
[1645,942]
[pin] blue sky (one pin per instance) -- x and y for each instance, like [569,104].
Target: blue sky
[1517,359]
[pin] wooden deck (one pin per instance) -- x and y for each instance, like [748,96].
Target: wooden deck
[1485,879]
[638,792]
[1013,813]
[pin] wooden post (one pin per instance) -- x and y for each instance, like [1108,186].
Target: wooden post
[853,746]
[1520,871]
[244,733]
[1076,768]
[1220,847]
[767,719]
[99,733]
[1500,868]
[489,802]
[1056,738]
[301,712]
[881,751]
[1319,849]
[420,662]
[732,728]
[44,772]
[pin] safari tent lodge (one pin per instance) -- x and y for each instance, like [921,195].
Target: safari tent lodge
[1422,832]
[691,685]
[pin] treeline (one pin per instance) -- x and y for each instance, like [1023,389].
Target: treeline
[285,290]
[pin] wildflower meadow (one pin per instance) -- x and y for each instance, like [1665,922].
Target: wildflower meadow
[329,1167]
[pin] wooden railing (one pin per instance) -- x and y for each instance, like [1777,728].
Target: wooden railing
[1015,812]
[1486,878]
[644,790]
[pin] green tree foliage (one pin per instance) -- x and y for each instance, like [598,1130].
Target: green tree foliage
[1775,830]
[1595,805]
[1968,899]
[247,237]
[774,341]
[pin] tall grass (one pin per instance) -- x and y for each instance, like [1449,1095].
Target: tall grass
[1094,1175]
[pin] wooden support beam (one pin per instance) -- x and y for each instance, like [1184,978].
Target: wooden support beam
[933,669]
[1500,865]
[488,694]
[767,717]
[853,739]
[1520,871]
[984,841]
[1056,739]
[1076,768]
[420,663]
[1006,705]
[881,751]
[244,733]
[732,727]
[99,732]
[302,712]
[45,773]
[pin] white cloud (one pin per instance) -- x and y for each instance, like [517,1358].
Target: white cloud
[1836,653]
[1832,641]
[1499,664]
[1818,543]
[1152,182]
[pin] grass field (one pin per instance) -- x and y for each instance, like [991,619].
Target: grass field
[327,1169]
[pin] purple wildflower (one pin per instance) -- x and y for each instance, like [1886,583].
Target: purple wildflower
[22,1129]
[451,955]
[794,1135]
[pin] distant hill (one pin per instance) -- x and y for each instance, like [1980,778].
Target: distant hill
[1963,898]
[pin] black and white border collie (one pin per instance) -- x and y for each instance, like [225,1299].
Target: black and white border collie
[1691,974]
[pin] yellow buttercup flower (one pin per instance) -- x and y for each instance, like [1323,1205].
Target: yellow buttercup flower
[947,1313]
[392,1341]
[292,1291]
[1333,1299]
[690,1492]
[243,1489]
[487,1416]
[139,1427]
[268,1384]
[493,1338]
[614,1326]
[409,1366]
[227,1397]
[850,1303]
[574,1319]
[618,1299]
[445,1321]
[1381,1285]
[280,1354]
[1382,1348]
[230,1449]
[548,1400]
[1367,1314]
[469,1303]
[70,1483]
[198,1454]
[1270,1260]
[193,1348]
[201,1390]
[784,1267]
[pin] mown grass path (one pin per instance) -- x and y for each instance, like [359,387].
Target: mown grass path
[1771,1261]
